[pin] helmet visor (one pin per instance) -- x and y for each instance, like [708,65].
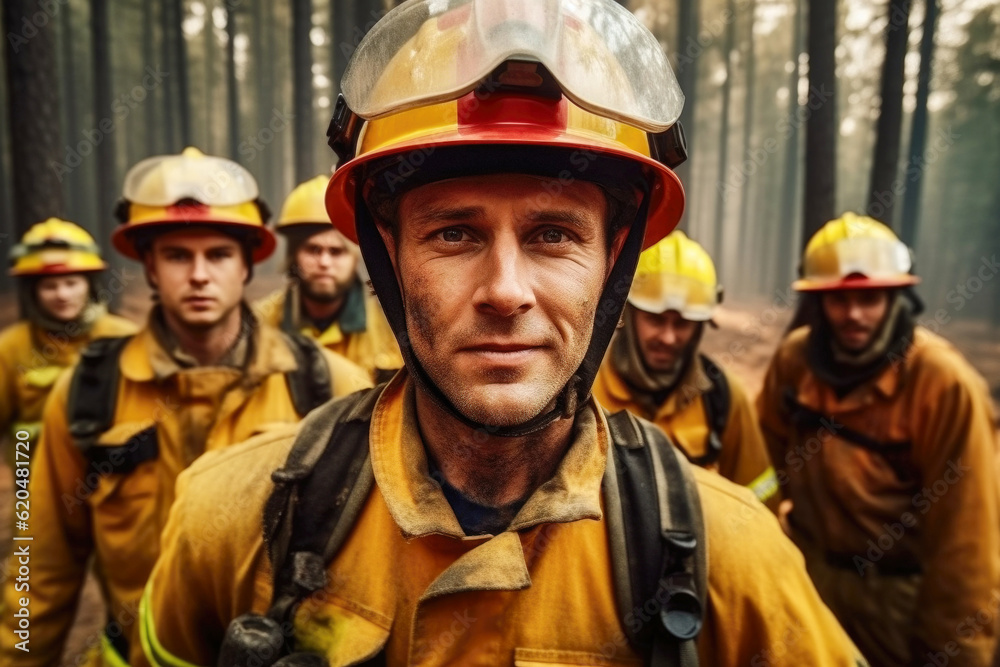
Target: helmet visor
[872,258]
[429,51]
[165,180]
[693,299]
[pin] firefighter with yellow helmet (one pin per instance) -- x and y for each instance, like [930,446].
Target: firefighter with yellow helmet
[500,162]
[885,445]
[654,370]
[56,264]
[137,410]
[325,298]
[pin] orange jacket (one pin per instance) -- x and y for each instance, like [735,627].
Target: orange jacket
[744,458]
[374,347]
[409,580]
[933,502]
[194,410]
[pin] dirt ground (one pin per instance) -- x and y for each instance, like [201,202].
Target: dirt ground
[744,342]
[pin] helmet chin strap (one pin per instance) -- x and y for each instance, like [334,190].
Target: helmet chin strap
[573,396]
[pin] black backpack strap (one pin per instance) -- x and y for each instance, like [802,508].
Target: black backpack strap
[93,397]
[93,391]
[659,550]
[897,453]
[309,383]
[317,496]
[717,401]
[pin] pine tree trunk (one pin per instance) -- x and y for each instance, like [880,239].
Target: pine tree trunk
[821,128]
[881,194]
[38,161]
[722,178]
[688,24]
[232,92]
[790,187]
[302,96]
[918,130]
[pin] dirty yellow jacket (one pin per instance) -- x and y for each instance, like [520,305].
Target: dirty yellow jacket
[194,410]
[409,580]
[361,333]
[924,494]
[744,459]
[30,361]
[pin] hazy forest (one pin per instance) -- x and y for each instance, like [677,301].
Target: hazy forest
[796,111]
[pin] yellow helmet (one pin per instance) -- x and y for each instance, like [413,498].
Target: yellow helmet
[191,188]
[854,252]
[54,247]
[306,205]
[676,274]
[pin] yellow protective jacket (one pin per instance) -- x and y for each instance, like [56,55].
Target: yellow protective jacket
[30,361]
[361,332]
[409,580]
[744,459]
[922,496]
[194,410]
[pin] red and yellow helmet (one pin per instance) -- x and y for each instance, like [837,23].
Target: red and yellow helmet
[854,252]
[191,188]
[55,247]
[585,78]
[563,90]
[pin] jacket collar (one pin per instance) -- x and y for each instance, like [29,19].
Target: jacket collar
[692,384]
[144,359]
[415,501]
[353,316]
[816,394]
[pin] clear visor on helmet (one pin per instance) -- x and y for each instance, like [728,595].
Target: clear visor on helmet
[873,258]
[428,51]
[165,180]
[694,300]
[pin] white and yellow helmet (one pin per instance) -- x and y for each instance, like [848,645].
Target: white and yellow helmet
[854,252]
[676,274]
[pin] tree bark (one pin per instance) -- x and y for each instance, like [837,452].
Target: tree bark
[302,90]
[821,128]
[153,132]
[821,135]
[750,76]
[179,60]
[881,195]
[721,192]
[107,181]
[688,24]
[232,92]
[37,159]
[790,186]
[918,130]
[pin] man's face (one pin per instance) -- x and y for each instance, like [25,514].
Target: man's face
[199,274]
[855,316]
[663,338]
[501,281]
[325,266]
[63,298]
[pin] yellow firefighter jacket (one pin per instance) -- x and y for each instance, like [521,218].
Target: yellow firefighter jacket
[409,580]
[360,333]
[921,497]
[30,361]
[193,410]
[744,459]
